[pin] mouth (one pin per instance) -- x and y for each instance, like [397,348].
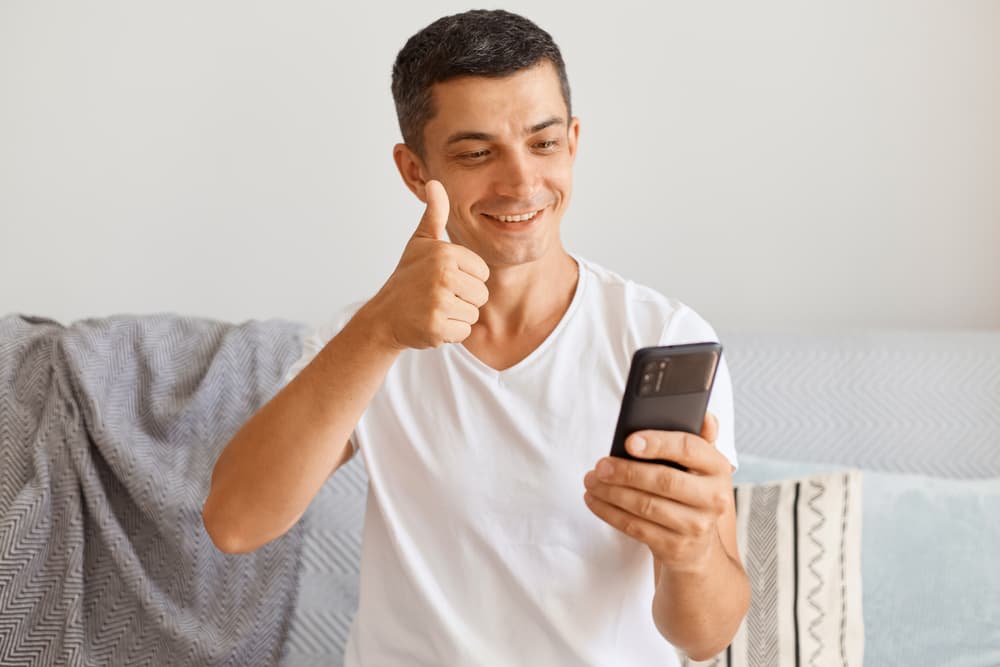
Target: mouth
[515,221]
[519,217]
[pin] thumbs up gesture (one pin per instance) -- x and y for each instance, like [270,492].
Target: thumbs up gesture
[434,294]
[432,224]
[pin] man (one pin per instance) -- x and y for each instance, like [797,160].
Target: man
[481,384]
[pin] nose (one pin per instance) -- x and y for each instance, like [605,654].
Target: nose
[517,178]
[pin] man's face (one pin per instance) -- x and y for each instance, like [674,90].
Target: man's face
[503,147]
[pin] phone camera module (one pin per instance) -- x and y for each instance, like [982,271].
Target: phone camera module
[652,381]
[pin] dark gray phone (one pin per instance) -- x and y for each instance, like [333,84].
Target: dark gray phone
[668,390]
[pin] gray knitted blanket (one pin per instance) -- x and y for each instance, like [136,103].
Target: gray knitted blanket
[109,429]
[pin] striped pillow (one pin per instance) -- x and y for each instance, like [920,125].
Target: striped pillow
[800,542]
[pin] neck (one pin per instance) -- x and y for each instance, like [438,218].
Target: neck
[526,296]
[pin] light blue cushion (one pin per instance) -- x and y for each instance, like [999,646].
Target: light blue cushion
[930,562]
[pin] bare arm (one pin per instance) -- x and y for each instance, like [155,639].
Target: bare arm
[278,461]
[700,610]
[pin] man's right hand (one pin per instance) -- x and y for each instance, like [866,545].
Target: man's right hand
[435,293]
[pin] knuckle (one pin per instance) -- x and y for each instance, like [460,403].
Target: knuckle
[666,483]
[428,339]
[431,264]
[699,526]
[441,298]
[646,507]
[441,270]
[628,475]
[688,446]
[434,305]
[720,500]
[608,492]
[447,277]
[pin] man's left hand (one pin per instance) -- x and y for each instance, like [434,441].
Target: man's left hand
[673,512]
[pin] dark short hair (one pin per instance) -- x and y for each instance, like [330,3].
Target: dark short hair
[492,43]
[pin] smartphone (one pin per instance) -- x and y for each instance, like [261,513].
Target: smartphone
[667,390]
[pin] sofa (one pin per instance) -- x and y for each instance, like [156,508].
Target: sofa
[109,428]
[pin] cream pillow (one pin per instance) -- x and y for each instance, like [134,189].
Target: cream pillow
[800,542]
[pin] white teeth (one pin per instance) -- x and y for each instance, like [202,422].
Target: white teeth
[514,218]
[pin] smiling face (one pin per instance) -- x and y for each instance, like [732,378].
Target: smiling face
[503,148]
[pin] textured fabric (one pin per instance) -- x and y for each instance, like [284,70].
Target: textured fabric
[329,570]
[800,541]
[110,429]
[931,585]
[478,547]
[904,401]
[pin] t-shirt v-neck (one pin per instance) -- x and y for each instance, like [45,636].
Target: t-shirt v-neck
[481,367]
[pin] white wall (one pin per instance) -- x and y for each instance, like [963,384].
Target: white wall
[776,165]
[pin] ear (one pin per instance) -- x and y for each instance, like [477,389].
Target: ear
[412,169]
[573,136]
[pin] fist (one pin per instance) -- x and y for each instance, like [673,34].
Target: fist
[435,293]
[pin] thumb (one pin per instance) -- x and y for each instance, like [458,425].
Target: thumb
[436,216]
[710,428]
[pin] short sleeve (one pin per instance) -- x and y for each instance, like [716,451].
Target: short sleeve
[686,326]
[316,339]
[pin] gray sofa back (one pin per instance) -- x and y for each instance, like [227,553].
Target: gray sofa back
[906,401]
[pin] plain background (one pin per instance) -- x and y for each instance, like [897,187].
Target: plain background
[776,165]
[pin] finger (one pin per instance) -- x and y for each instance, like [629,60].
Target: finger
[469,288]
[659,480]
[710,428]
[435,218]
[634,526]
[455,331]
[471,263]
[689,450]
[674,516]
[460,310]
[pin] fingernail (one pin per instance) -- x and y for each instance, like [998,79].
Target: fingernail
[604,469]
[638,445]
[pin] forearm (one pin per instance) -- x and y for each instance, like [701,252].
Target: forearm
[699,610]
[276,463]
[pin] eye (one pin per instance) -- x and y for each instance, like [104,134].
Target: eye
[548,144]
[474,155]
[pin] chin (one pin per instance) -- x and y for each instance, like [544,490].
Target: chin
[514,256]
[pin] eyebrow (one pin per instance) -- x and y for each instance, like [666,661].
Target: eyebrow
[484,136]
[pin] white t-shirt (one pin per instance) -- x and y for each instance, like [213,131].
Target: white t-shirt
[478,548]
